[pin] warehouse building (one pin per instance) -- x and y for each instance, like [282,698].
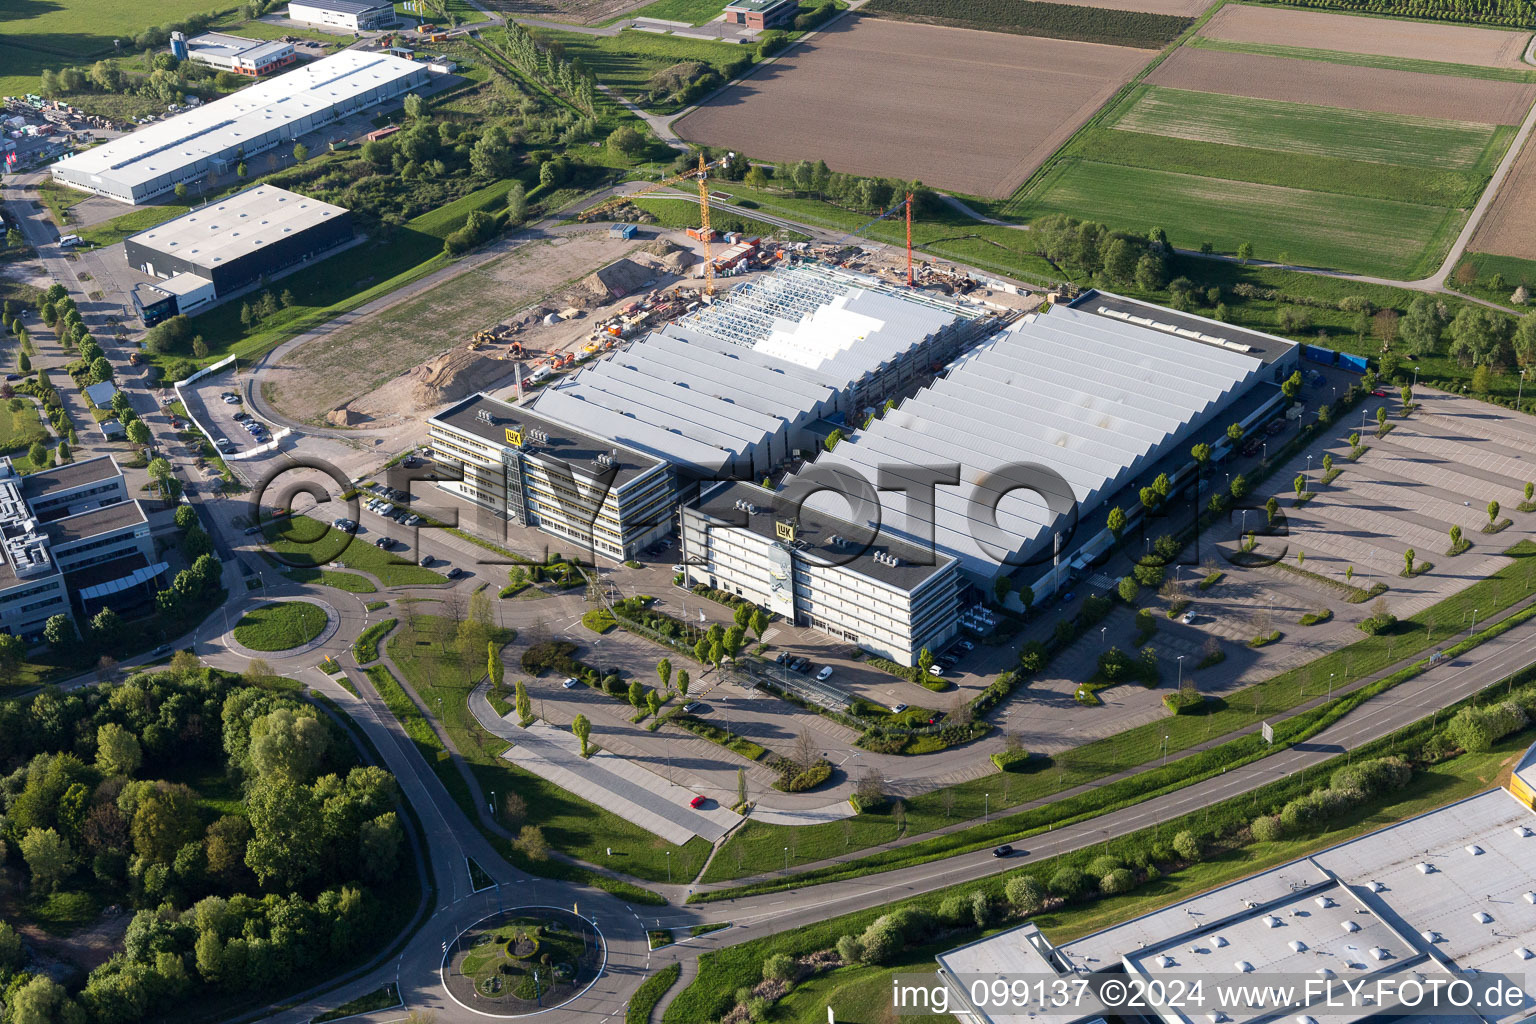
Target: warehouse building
[762,14]
[215,250]
[608,498]
[252,58]
[1442,896]
[352,15]
[737,388]
[1099,397]
[217,136]
[890,598]
[74,542]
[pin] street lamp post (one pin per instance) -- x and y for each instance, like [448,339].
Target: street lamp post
[669,867]
[1520,391]
[1165,750]
[1181,671]
[986,807]
[1103,636]
[1330,686]
[786,858]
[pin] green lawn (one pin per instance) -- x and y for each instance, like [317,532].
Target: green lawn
[351,582]
[1368,236]
[1513,269]
[426,651]
[280,626]
[311,543]
[694,12]
[379,999]
[1320,131]
[683,213]
[118,228]
[628,60]
[21,427]
[366,647]
[1367,60]
[58,33]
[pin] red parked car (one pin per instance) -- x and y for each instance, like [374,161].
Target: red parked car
[697,801]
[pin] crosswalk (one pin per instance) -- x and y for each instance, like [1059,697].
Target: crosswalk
[1099,581]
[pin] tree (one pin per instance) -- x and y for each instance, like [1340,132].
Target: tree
[37,454]
[1493,513]
[1291,386]
[682,682]
[1128,589]
[523,704]
[637,694]
[1381,419]
[181,190]
[530,841]
[24,362]
[1245,251]
[286,832]
[1025,894]
[289,744]
[48,857]
[494,158]
[664,673]
[582,728]
[626,142]
[760,620]
[1478,336]
[117,750]
[1408,557]
[924,661]
[101,370]
[1235,434]
[300,152]
[41,1000]
[1455,537]
[59,631]
[1271,509]
[12,651]
[1201,453]
[653,702]
[1301,485]
[517,205]
[742,615]
[415,106]
[1116,521]
[138,433]
[160,473]
[1150,272]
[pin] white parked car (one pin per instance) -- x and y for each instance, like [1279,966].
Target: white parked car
[825,673]
[1188,619]
[570,683]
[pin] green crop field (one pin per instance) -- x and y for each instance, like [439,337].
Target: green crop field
[57,33]
[1370,236]
[1320,131]
[694,12]
[1367,60]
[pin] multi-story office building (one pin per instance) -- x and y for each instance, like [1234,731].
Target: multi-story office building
[610,500]
[73,542]
[889,597]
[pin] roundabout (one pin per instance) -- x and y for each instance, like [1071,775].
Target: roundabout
[523,960]
[284,625]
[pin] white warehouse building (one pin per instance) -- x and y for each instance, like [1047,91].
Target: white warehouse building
[216,136]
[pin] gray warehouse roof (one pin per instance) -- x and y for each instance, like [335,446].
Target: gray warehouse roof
[345,6]
[224,231]
[221,126]
[1092,399]
[773,354]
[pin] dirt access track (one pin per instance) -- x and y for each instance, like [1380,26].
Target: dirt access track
[1386,90]
[1508,228]
[975,112]
[1385,37]
[335,368]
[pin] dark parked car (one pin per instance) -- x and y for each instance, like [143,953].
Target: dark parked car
[1275,427]
[1253,446]
[1003,851]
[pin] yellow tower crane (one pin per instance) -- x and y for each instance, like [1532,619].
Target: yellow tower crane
[701,175]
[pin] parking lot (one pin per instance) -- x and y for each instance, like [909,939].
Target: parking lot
[230,426]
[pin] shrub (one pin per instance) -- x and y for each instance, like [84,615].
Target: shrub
[954,911]
[981,908]
[1267,828]
[1103,865]
[808,779]
[1024,893]
[1382,622]
[1032,656]
[850,950]
[1187,845]
[880,941]
[1010,760]
[1068,883]
[780,967]
[1118,881]
[1374,777]
[1478,729]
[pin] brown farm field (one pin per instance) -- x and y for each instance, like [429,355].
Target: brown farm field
[1508,228]
[976,112]
[1178,8]
[1352,33]
[1386,90]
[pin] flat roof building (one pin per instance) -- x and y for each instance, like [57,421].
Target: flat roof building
[68,527]
[1091,397]
[216,136]
[888,597]
[353,15]
[250,57]
[762,14]
[1444,895]
[217,249]
[610,499]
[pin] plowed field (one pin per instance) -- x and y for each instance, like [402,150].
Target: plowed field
[1319,30]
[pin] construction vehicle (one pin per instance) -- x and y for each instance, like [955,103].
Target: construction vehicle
[705,232]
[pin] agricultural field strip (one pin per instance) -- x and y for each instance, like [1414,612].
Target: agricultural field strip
[1374,137]
[1366,60]
[1386,37]
[1508,228]
[1382,90]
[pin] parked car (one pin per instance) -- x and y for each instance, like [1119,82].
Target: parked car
[677,568]
[825,673]
[251,531]
[570,683]
[1252,446]
[965,645]
[1188,618]
[242,415]
[382,542]
[1003,851]
[1275,427]
[454,572]
[1378,392]
[425,560]
[696,802]
[800,664]
[690,707]
[935,669]
[897,709]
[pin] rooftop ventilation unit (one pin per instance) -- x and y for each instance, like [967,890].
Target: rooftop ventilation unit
[1523,953]
[1217,1018]
[1523,831]
[1350,926]
[1425,867]
[1530,897]
[1475,850]
[1326,972]
[1482,917]
[1379,953]
[1271,921]
[537,435]
[1325,902]
[1378,887]
[1165,961]
[1218,941]
[1431,936]
[604,459]
[1297,946]
[484,416]
[1243,967]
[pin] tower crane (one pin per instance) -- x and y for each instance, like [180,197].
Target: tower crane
[701,175]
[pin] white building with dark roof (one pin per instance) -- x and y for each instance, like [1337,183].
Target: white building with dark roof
[352,15]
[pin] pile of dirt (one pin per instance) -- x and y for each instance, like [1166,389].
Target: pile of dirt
[632,274]
[446,378]
[669,80]
[344,417]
